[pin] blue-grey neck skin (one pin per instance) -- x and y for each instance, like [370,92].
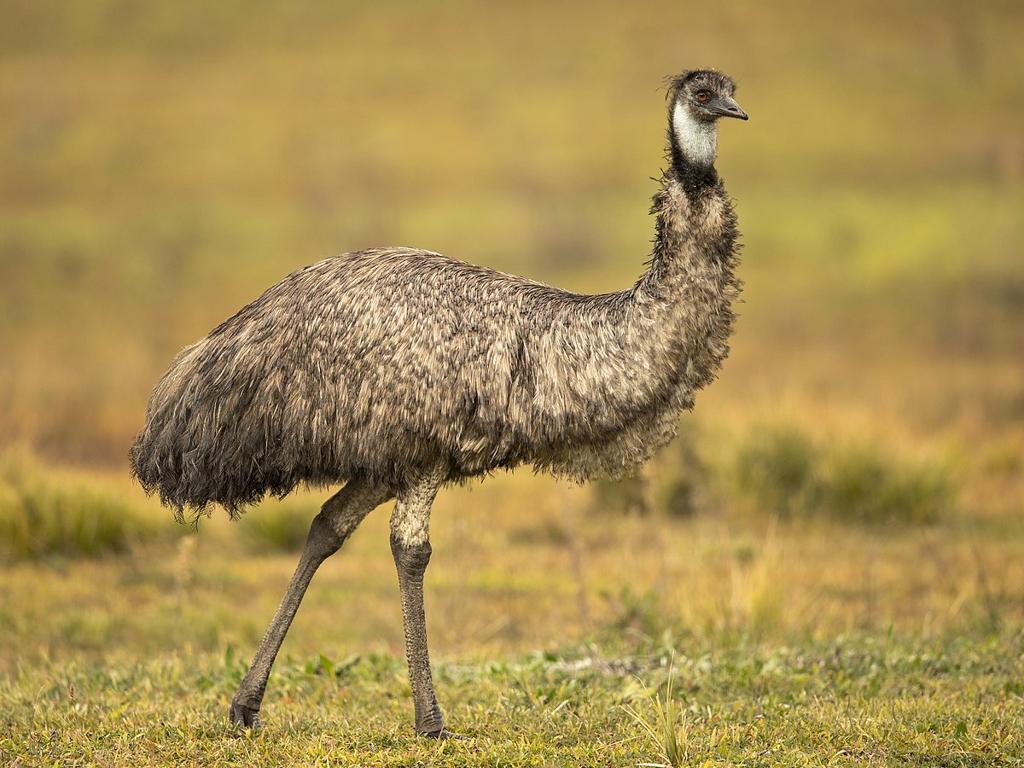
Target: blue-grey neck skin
[696,139]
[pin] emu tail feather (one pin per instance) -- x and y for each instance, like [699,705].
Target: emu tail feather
[213,433]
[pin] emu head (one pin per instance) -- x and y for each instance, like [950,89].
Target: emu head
[698,98]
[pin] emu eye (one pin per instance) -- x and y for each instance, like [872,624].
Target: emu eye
[703,96]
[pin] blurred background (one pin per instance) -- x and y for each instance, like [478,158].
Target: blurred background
[859,465]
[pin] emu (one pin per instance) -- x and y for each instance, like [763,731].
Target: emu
[397,371]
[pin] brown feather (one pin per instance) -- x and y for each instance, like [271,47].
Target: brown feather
[381,362]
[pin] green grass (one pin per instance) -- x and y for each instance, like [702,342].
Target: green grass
[789,644]
[277,527]
[665,727]
[785,471]
[875,700]
[48,512]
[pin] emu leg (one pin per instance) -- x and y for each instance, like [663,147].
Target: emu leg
[410,546]
[340,515]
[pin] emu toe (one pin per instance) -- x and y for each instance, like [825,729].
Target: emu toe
[442,735]
[247,717]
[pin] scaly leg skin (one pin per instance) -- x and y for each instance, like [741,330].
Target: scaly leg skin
[410,546]
[340,515]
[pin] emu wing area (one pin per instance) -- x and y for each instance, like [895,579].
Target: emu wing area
[372,362]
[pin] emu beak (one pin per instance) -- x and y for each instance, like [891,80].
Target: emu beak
[727,107]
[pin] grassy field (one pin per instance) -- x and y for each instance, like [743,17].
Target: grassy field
[853,702]
[557,629]
[826,568]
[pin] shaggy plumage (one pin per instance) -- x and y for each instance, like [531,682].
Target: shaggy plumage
[396,370]
[380,363]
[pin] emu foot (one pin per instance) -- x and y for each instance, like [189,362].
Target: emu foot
[247,717]
[442,735]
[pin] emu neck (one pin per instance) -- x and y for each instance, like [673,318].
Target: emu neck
[682,306]
[696,140]
[695,232]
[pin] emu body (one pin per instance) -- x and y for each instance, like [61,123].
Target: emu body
[397,370]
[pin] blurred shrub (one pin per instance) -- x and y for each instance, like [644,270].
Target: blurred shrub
[639,613]
[677,483]
[623,496]
[277,527]
[43,512]
[863,484]
[1004,457]
[546,532]
[685,478]
[787,472]
[777,466]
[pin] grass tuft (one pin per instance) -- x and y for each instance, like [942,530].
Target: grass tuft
[276,527]
[44,512]
[862,484]
[621,496]
[788,473]
[664,726]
